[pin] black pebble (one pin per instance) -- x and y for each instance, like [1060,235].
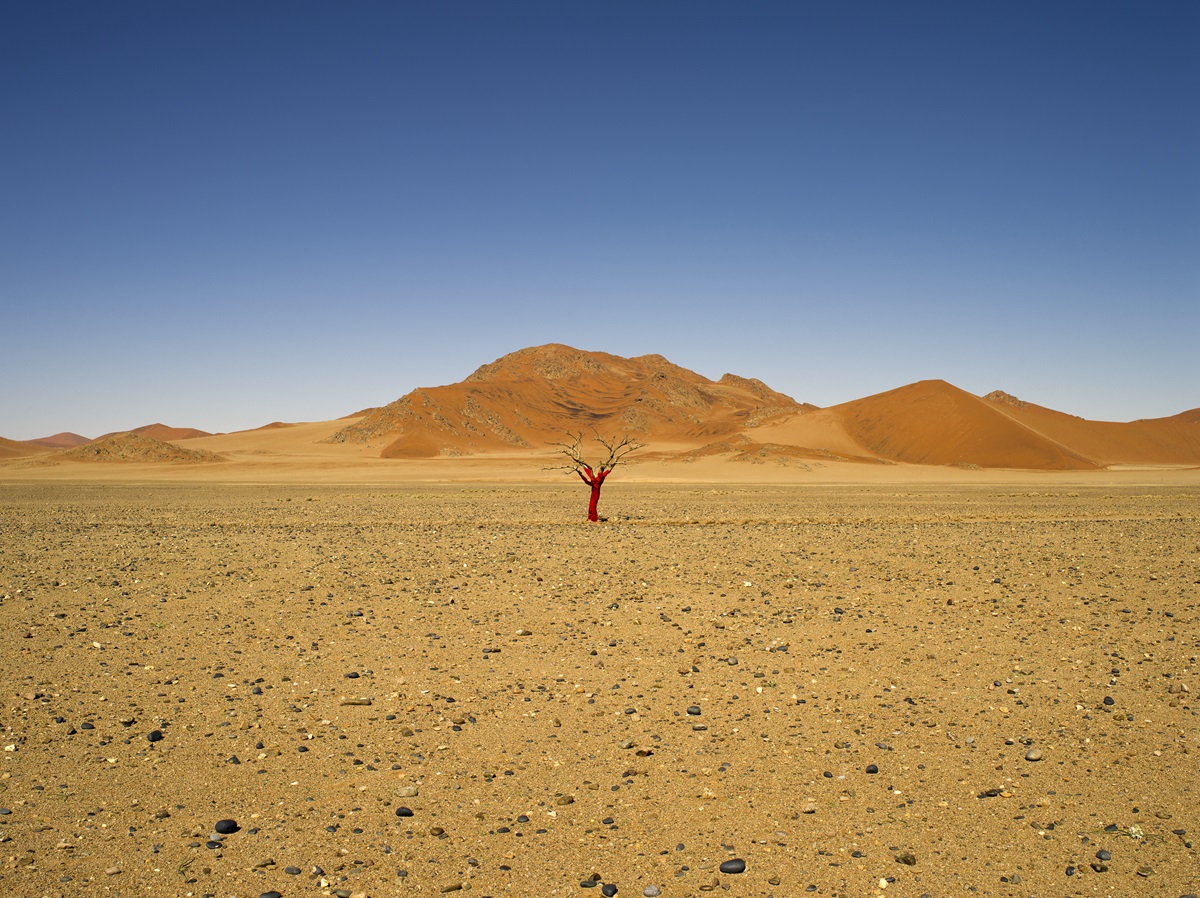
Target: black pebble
[226,826]
[86,726]
[155,735]
[694,710]
[608,890]
[1104,855]
[871,768]
[1108,700]
[737,865]
[212,843]
[270,895]
[292,871]
[404,812]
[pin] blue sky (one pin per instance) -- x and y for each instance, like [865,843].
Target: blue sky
[218,215]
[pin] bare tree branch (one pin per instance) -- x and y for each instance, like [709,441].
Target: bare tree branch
[616,448]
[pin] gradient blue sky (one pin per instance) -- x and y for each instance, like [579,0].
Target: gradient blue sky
[221,214]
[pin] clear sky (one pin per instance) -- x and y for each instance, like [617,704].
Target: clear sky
[220,214]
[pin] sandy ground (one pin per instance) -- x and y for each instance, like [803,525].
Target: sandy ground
[961,686]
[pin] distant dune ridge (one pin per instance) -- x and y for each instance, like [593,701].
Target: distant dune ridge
[65,440]
[526,401]
[19,449]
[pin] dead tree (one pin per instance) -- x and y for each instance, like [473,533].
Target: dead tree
[594,475]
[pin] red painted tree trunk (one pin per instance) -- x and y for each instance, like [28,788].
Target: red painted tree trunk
[593,514]
[595,481]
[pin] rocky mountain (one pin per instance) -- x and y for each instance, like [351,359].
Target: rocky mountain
[535,396]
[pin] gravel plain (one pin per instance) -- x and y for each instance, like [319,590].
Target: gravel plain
[854,690]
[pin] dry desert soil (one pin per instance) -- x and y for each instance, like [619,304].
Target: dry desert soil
[870,689]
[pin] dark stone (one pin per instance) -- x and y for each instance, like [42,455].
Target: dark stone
[226,826]
[737,865]
[154,735]
[871,768]
[404,812]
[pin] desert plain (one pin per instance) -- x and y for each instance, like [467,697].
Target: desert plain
[855,680]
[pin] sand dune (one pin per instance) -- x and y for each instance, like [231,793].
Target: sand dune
[1156,441]
[64,440]
[19,449]
[935,423]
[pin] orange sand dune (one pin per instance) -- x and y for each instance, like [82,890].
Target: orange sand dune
[20,449]
[64,440]
[821,430]
[1154,441]
[934,423]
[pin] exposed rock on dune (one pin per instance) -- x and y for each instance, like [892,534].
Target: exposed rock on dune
[133,447]
[531,397]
